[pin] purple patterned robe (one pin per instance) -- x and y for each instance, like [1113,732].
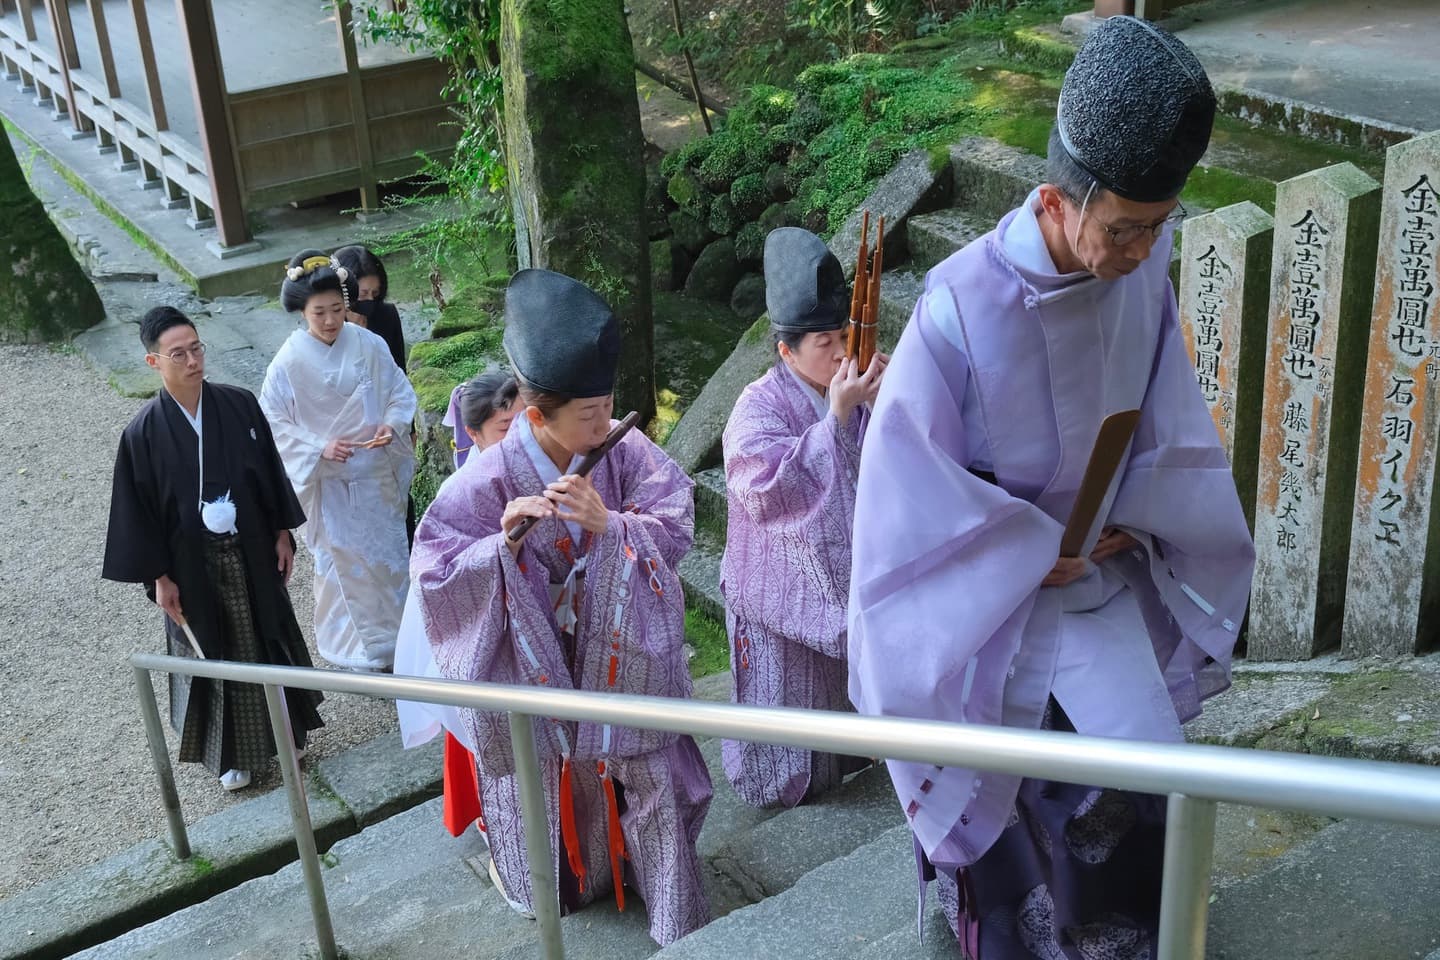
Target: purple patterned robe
[490,617]
[1008,369]
[790,472]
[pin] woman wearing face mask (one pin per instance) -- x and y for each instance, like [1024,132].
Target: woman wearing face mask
[341,412]
[481,411]
[587,599]
[370,308]
[792,456]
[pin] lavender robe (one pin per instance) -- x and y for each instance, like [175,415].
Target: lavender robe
[1008,369]
[489,616]
[790,472]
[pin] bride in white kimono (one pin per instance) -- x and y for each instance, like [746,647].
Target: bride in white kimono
[341,413]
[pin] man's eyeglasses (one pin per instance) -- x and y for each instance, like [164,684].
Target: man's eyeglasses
[1124,236]
[181,355]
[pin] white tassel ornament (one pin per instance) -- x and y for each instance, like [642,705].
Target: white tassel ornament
[219,515]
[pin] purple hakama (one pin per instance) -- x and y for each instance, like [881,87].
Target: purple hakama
[584,612]
[790,473]
[1007,369]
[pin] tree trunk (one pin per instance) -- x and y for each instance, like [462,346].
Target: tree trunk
[44,294]
[575,164]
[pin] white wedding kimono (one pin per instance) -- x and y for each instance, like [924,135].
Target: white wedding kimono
[355,511]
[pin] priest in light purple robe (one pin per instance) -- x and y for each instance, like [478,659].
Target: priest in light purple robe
[961,609]
[792,457]
[588,599]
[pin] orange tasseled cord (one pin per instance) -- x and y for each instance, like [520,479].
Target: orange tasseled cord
[617,838]
[568,833]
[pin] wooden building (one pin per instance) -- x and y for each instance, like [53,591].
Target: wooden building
[230,108]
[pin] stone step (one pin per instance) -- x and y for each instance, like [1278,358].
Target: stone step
[935,236]
[833,913]
[405,888]
[899,292]
[712,508]
[700,576]
[1355,889]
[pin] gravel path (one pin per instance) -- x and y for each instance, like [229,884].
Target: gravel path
[76,783]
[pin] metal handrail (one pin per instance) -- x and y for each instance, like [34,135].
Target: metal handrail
[1194,776]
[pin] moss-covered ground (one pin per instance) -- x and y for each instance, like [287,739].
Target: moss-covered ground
[710,642]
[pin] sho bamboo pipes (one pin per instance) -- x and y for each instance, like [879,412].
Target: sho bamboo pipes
[860,344]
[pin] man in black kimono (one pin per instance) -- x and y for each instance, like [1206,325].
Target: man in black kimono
[200,514]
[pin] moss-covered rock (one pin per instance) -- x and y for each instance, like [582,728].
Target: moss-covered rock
[750,244]
[685,190]
[726,162]
[436,366]
[777,185]
[778,215]
[723,219]
[749,196]
[715,273]
[747,300]
[689,232]
[44,295]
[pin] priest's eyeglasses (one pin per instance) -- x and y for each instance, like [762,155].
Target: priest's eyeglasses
[184,353]
[1124,236]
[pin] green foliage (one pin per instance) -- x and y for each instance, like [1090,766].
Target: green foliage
[723,218]
[437,365]
[467,195]
[748,195]
[707,637]
[726,160]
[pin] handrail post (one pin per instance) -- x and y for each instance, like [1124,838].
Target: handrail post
[1185,893]
[160,756]
[544,895]
[300,816]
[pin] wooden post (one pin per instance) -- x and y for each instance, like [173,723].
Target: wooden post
[207,83]
[147,58]
[690,65]
[68,56]
[102,40]
[360,120]
[27,17]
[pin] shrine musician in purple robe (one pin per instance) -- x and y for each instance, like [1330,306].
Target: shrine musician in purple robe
[961,608]
[792,456]
[587,599]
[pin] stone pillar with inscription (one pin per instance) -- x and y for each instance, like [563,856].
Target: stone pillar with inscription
[1392,600]
[1321,280]
[1224,304]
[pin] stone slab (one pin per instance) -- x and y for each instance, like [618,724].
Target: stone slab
[899,292]
[694,444]
[916,184]
[833,913]
[992,178]
[380,778]
[1388,714]
[935,236]
[146,882]
[1396,527]
[401,888]
[1224,302]
[700,576]
[714,688]
[1355,890]
[712,506]
[1322,276]
[774,855]
[1254,705]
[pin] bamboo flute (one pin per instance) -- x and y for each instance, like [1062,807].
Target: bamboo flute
[870,328]
[857,298]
